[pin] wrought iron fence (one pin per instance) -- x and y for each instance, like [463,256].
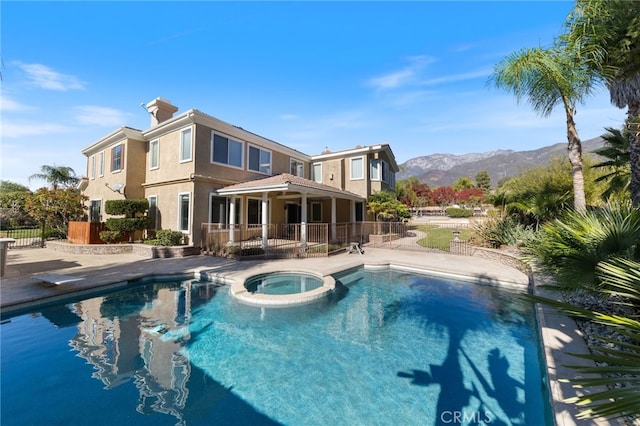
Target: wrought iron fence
[322,239]
[25,237]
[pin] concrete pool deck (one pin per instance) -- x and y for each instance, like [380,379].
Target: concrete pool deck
[19,289]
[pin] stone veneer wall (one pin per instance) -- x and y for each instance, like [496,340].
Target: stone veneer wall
[509,259]
[143,250]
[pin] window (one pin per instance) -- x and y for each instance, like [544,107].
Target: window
[259,160]
[316,172]
[357,169]
[359,211]
[153,212]
[226,151]
[92,167]
[95,211]
[184,200]
[297,167]
[154,154]
[185,145]
[385,172]
[374,172]
[316,212]
[254,211]
[117,158]
[218,210]
[101,164]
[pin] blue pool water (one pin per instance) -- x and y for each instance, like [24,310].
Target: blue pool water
[387,348]
[278,283]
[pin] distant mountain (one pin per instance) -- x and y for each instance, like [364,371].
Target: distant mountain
[445,169]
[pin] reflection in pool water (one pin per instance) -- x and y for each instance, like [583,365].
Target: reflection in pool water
[396,348]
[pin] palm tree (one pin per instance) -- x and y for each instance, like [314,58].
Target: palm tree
[616,161]
[548,78]
[606,34]
[57,176]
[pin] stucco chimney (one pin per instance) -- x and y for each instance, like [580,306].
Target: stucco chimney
[160,110]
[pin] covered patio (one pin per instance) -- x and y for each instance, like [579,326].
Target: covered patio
[286,210]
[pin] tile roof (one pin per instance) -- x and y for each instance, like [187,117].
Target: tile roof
[286,181]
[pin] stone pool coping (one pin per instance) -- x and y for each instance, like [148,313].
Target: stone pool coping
[239,291]
[18,290]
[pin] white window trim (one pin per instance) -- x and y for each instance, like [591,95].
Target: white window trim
[229,138]
[101,164]
[157,210]
[351,168]
[186,160]
[92,167]
[121,145]
[315,178]
[157,143]
[379,168]
[258,147]
[184,231]
[292,160]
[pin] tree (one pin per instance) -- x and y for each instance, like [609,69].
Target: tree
[57,176]
[443,196]
[606,35]
[384,206]
[548,78]
[56,208]
[617,162]
[8,186]
[463,182]
[483,180]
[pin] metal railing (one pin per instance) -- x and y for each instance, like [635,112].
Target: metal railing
[322,239]
[25,237]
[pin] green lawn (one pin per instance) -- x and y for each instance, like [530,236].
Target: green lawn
[439,238]
[20,233]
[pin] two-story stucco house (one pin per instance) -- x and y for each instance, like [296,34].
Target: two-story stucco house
[196,169]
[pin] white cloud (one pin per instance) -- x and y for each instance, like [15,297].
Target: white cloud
[7,105]
[19,129]
[46,78]
[406,75]
[457,77]
[100,116]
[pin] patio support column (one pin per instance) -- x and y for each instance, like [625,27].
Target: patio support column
[264,220]
[303,220]
[333,218]
[352,218]
[232,220]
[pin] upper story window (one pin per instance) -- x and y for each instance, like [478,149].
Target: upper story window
[297,167]
[92,167]
[225,150]
[101,164]
[379,170]
[316,172]
[185,145]
[154,154]
[259,160]
[117,158]
[357,168]
[374,170]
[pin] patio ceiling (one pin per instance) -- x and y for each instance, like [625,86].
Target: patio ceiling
[288,183]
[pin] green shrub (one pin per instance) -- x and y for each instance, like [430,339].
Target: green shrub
[237,251]
[167,237]
[127,208]
[456,212]
[127,224]
[497,232]
[110,237]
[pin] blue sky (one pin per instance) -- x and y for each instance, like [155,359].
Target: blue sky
[307,74]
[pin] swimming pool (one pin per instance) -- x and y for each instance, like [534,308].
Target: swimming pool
[389,347]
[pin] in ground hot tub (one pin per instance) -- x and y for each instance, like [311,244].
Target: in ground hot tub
[282,288]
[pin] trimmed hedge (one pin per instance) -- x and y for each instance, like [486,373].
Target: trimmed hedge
[123,224]
[456,212]
[127,208]
[166,237]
